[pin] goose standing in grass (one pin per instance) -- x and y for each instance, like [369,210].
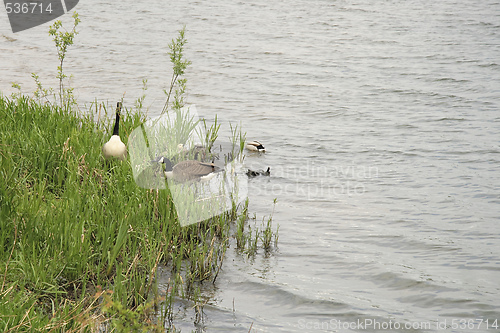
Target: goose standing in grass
[255,146]
[115,147]
[189,170]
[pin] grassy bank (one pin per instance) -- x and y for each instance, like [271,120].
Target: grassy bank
[80,242]
[73,226]
[69,222]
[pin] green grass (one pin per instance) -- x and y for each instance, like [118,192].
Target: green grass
[69,221]
[79,241]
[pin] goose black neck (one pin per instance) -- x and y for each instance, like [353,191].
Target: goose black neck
[116,129]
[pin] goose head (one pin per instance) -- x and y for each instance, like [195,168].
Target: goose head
[115,148]
[166,162]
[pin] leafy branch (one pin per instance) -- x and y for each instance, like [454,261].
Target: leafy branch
[63,39]
[179,67]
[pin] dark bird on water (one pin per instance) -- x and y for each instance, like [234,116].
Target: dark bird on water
[255,173]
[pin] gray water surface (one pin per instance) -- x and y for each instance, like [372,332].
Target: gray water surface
[382,123]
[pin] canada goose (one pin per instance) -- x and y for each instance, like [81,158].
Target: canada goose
[255,146]
[255,173]
[188,170]
[115,147]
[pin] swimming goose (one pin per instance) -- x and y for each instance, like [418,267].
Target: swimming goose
[115,147]
[255,146]
[189,170]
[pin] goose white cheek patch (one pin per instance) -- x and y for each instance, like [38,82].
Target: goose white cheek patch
[197,200]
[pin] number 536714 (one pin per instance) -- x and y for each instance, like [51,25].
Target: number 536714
[27,8]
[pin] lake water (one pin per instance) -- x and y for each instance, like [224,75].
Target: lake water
[382,124]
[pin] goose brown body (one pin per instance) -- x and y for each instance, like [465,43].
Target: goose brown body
[189,170]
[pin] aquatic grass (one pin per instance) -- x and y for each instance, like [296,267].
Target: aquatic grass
[241,236]
[267,232]
[211,133]
[238,138]
[249,239]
